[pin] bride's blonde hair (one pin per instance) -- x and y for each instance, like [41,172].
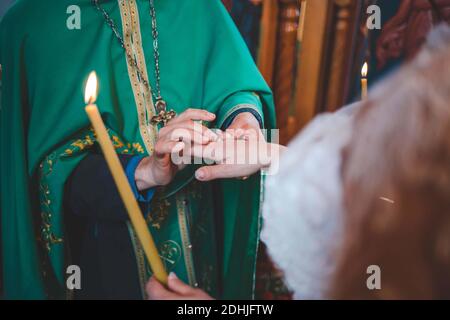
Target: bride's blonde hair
[396,177]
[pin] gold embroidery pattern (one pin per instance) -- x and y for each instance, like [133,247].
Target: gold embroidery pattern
[170,252]
[185,239]
[79,145]
[237,107]
[140,259]
[142,94]
[47,236]
[75,147]
[159,210]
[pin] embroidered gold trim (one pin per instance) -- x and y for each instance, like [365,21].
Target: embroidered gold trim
[159,210]
[140,259]
[237,107]
[142,95]
[185,239]
[74,147]
[170,253]
[48,237]
[146,110]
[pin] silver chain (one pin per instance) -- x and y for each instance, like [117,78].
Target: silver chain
[155,36]
[110,22]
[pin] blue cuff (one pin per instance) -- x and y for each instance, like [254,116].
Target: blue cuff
[231,117]
[130,171]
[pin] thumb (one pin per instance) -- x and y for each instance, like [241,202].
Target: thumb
[156,291]
[204,174]
[178,286]
[219,171]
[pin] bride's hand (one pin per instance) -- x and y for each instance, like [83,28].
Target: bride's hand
[238,155]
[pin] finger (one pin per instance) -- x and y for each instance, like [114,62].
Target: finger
[182,133]
[220,134]
[178,286]
[163,148]
[190,125]
[210,153]
[235,133]
[194,114]
[220,171]
[227,135]
[188,136]
[156,291]
[213,136]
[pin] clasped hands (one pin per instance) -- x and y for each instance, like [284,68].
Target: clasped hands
[238,152]
[230,153]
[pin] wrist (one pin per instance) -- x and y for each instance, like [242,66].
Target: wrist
[144,176]
[245,120]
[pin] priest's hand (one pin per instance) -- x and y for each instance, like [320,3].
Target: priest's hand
[176,290]
[180,133]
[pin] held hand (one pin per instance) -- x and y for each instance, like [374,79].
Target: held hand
[238,155]
[176,290]
[180,133]
[243,154]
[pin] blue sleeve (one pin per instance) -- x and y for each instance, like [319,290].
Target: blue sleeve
[130,170]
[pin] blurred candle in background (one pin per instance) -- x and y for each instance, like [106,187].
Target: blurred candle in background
[364,89]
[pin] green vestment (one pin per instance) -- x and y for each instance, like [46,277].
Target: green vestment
[207,233]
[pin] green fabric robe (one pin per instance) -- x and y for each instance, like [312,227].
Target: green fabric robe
[206,233]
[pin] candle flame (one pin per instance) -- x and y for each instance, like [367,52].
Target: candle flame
[90,92]
[365,69]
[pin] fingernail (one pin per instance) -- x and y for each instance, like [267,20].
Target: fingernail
[199,174]
[172,275]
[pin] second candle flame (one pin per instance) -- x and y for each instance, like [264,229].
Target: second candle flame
[365,70]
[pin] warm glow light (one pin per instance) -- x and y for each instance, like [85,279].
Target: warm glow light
[387,200]
[365,70]
[90,92]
